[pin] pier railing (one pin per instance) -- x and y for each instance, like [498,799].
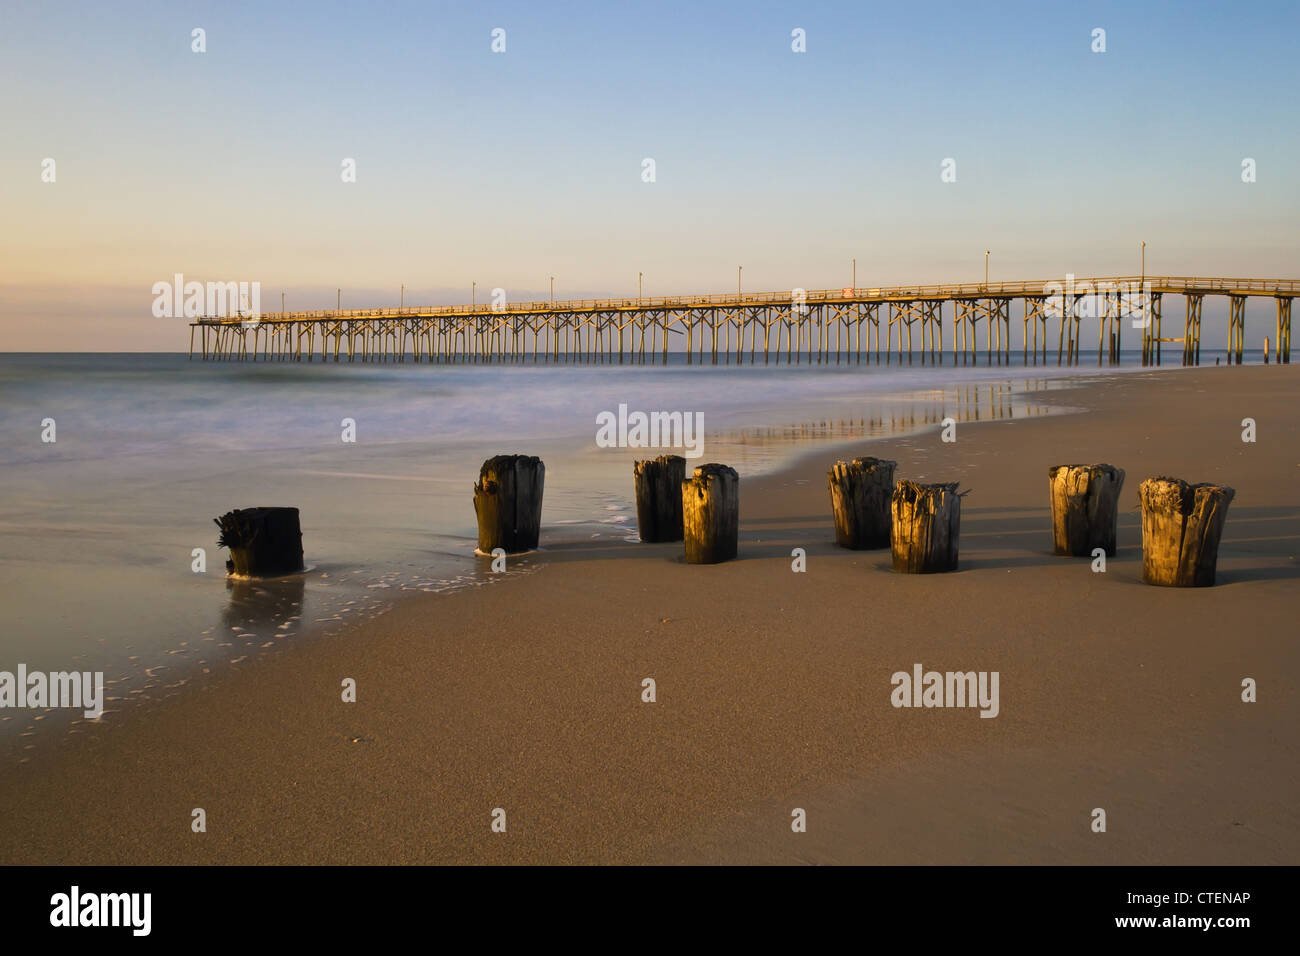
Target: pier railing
[931,292]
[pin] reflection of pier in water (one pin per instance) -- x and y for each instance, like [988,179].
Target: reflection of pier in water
[964,403]
[809,327]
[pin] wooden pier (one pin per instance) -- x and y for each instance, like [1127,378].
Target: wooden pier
[804,327]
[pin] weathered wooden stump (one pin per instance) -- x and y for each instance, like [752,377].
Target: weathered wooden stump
[926,524]
[860,496]
[711,514]
[1181,526]
[263,542]
[659,497]
[1085,507]
[508,502]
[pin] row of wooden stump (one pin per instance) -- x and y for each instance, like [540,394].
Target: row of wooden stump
[919,523]
[703,510]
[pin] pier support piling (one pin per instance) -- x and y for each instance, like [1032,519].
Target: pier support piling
[1181,528]
[711,514]
[508,503]
[658,483]
[1085,508]
[925,525]
[263,542]
[861,492]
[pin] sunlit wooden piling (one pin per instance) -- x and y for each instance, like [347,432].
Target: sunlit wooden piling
[925,526]
[711,514]
[1181,527]
[1085,508]
[861,491]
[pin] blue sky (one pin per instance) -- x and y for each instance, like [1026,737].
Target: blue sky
[504,169]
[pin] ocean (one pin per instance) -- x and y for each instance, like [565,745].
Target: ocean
[99,566]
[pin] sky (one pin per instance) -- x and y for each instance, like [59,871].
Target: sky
[506,168]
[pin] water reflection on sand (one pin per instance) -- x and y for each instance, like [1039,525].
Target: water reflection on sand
[890,416]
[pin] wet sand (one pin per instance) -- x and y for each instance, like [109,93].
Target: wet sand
[773,688]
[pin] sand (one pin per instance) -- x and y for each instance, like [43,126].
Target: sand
[773,688]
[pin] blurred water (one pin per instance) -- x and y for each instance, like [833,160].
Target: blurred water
[98,528]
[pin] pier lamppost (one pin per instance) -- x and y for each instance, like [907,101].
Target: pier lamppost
[282,303]
[638,287]
[339,306]
[986,270]
[552,290]
[473,294]
[738,271]
[1147,332]
[401,301]
[855,275]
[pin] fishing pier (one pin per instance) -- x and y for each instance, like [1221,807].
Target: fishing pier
[796,326]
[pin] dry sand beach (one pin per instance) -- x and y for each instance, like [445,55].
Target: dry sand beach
[773,688]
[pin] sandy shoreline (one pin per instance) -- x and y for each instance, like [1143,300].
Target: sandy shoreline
[773,688]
